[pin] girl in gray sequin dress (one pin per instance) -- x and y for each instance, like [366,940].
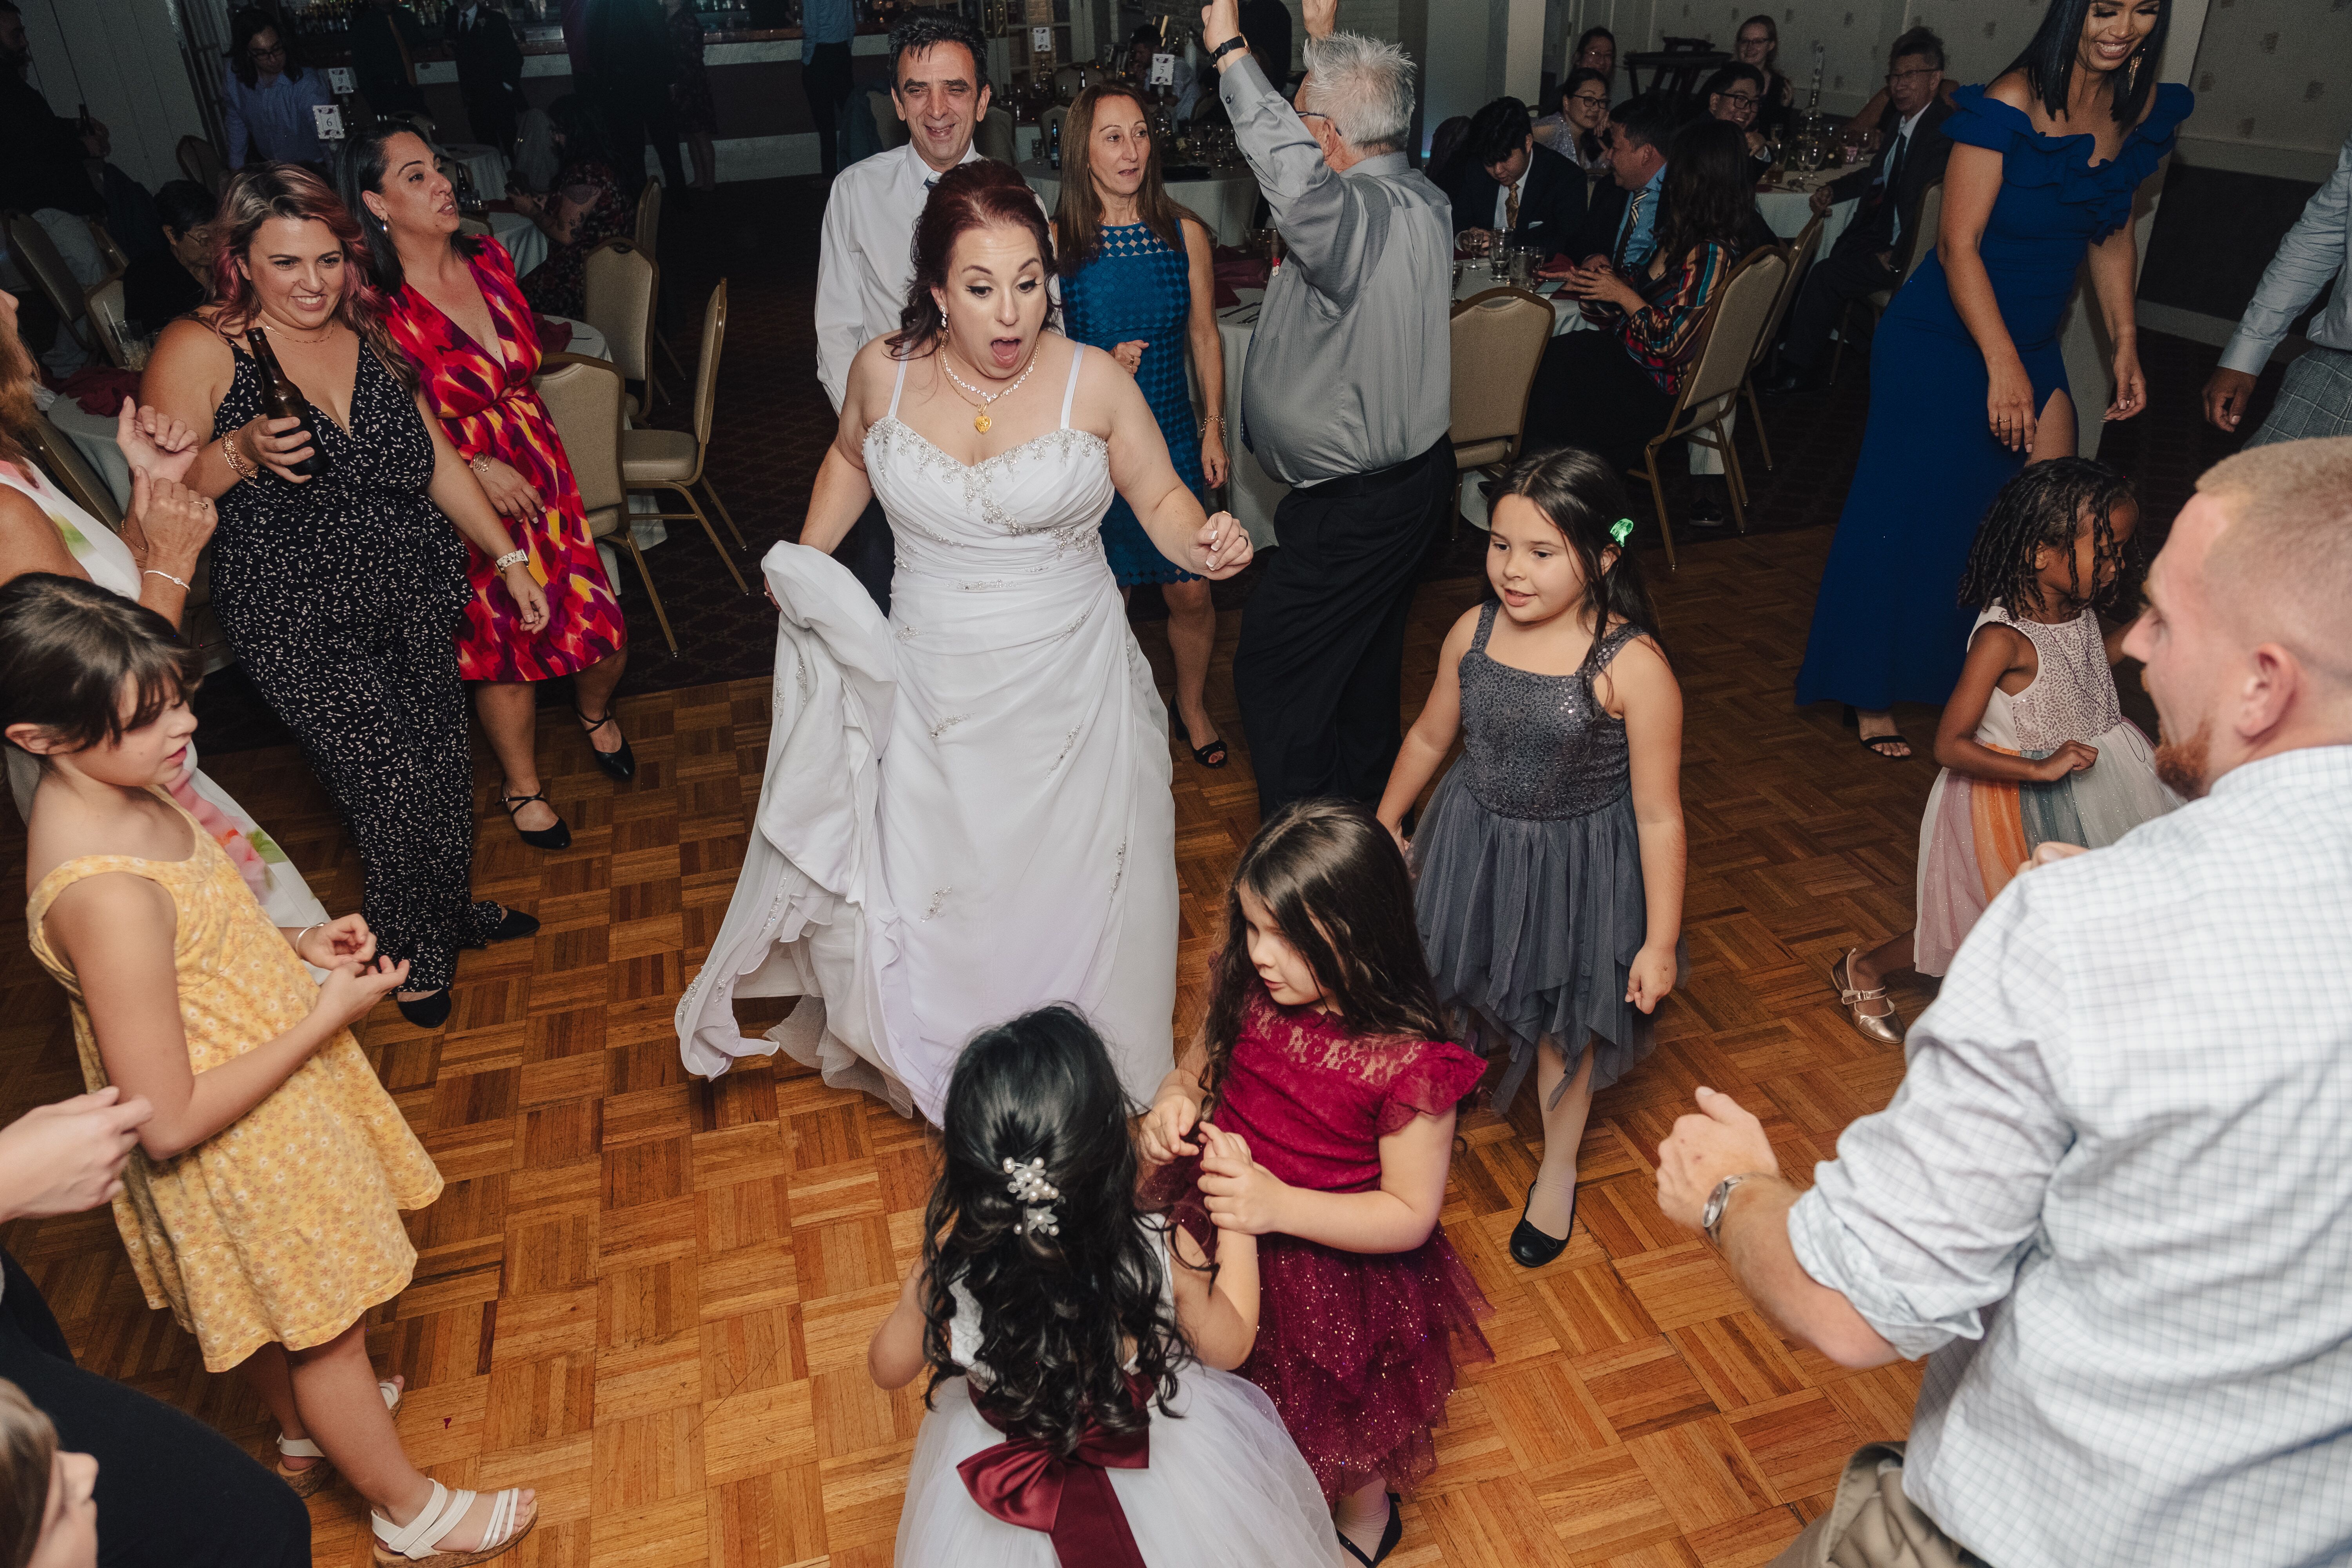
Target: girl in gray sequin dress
[1550,862]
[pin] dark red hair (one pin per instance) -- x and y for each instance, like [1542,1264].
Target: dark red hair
[982,193]
[254,196]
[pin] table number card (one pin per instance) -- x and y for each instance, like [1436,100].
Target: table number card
[341,79]
[329,118]
[1163,70]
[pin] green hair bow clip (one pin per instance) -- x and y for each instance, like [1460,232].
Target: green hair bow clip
[1621,531]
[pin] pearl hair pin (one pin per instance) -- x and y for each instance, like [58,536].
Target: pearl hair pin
[1036,1197]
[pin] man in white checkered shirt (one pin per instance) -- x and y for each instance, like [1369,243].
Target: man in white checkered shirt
[2112,1200]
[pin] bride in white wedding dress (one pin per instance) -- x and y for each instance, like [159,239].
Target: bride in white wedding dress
[966,812]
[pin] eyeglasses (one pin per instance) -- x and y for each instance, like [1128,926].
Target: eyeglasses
[1893,76]
[1589,100]
[274,52]
[1315,114]
[1744,100]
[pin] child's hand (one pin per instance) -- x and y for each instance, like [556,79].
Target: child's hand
[1653,975]
[1242,1194]
[1161,1137]
[355,987]
[2072,757]
[337,943]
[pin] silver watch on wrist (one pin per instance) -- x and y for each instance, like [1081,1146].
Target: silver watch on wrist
[1710,1219]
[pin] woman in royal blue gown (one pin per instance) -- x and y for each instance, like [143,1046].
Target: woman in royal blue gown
[1967,381]
[1137,283]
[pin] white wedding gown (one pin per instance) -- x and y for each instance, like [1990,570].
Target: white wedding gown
[965,813]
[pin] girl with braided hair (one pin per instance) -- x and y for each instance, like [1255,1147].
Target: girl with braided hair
[1053,1315]
[2033,744]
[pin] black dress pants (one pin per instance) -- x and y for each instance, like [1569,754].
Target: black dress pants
[171,1492]
[1318,666]
[1846,275]
[826,80]
[869,552]
[1590,392]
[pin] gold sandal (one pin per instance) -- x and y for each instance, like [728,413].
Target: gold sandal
[1885,1028]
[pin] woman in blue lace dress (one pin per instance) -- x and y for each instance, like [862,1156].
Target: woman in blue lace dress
[1137,283]
[1967,380]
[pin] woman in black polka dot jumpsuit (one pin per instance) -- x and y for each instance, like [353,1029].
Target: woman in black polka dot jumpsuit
[341,594]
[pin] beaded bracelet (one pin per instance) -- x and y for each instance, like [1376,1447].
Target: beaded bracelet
[511,558]
[237,465]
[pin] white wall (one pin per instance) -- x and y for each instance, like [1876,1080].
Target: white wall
[122,58]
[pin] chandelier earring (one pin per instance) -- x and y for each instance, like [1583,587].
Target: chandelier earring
[2131,73]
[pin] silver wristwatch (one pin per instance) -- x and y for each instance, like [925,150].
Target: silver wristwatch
[1710,1219]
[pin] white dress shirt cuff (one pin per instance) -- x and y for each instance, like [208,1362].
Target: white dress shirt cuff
[2248,354]
[1836,1259]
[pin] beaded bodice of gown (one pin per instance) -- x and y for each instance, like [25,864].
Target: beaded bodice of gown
[1030,512]
[1541,746]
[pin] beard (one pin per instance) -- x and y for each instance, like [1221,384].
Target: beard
[2180,764]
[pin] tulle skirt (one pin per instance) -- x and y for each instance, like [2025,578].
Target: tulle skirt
[1977,832]
[1533,925]
[1226,1488]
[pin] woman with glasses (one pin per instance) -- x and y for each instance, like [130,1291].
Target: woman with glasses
[1734,95]
[1596,50]
[1578,131]
[268,97]
[1759,45]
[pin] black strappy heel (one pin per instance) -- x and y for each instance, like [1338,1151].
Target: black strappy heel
[1213,755]
[556,837]
[621,764]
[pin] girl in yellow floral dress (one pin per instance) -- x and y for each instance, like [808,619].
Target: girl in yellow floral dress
[262,1203]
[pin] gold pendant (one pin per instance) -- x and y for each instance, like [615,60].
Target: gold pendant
[979,423]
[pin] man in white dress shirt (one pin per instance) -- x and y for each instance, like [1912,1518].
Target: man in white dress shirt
[2108,1200]
[938,85]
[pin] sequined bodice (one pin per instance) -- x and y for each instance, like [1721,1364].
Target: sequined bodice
[1541,746]
[2073,694]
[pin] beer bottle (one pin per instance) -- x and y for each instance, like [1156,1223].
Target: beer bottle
[281,399]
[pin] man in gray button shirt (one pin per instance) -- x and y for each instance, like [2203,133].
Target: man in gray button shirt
[2317,398]
[1346,396]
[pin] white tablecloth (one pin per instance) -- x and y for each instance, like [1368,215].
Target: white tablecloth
[524,241]
[1224,201]
[485,166]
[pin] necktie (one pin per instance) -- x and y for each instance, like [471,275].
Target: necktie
[1886,200]
[1511,207]
[1632,222]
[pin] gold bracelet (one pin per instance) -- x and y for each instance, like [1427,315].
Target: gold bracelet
[236,464]
[1217,420]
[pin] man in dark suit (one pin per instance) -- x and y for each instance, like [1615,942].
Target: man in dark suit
[1876,245]
[1506,182]
[489,72]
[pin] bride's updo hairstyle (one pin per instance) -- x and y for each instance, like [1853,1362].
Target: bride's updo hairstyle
[1064,1274]
[982,193]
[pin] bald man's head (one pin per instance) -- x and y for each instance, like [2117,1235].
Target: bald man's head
[2281,568]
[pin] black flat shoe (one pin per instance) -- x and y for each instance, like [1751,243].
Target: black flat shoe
[426,1012]
[621,764]
[1389,1537]
[513,925]
[1213,755]
[1531,1248]
[556,837]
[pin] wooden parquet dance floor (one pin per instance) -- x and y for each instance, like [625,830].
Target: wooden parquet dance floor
[649,1297]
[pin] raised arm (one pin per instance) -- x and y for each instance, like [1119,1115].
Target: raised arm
[1309,199]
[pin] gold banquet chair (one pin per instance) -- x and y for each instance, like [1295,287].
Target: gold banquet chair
[584,397]
[649,216]
[44,266]
[1711,382]
[620,282]
[672,460]
[1498,338]
[104,304]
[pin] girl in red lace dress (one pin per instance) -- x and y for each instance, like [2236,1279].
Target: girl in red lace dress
[1324,1055]
[455,310]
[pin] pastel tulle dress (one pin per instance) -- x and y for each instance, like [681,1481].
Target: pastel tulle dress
[1887,625]
[1359,1351]
[482,394]
[1977,832]
[107,561]
[1222,1484]
[1527,866]
[285,1226]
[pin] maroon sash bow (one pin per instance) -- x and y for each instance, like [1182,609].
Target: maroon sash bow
[1024,1481]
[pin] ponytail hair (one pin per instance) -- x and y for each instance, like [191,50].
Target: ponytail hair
[1034,1218]
[1580,495]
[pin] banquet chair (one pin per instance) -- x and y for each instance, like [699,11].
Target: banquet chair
[37,257]
[108,251]
[620,284]
[1931,215]
[584,397]
[200,161]
[1801,256]
[649,216]
[103,305]
[1712,380]
[1498,339]
[47,446]
[994,138]
[673,460]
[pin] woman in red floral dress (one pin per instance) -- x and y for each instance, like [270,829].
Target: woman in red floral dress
[455,311]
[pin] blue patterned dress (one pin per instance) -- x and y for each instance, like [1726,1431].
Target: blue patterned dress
[1138,286]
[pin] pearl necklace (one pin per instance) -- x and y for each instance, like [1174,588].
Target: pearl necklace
[981,420]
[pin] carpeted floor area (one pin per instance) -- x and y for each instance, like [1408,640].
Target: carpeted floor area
[773,423]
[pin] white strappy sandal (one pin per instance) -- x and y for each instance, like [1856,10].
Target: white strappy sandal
[415,1542]
[308,1482]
